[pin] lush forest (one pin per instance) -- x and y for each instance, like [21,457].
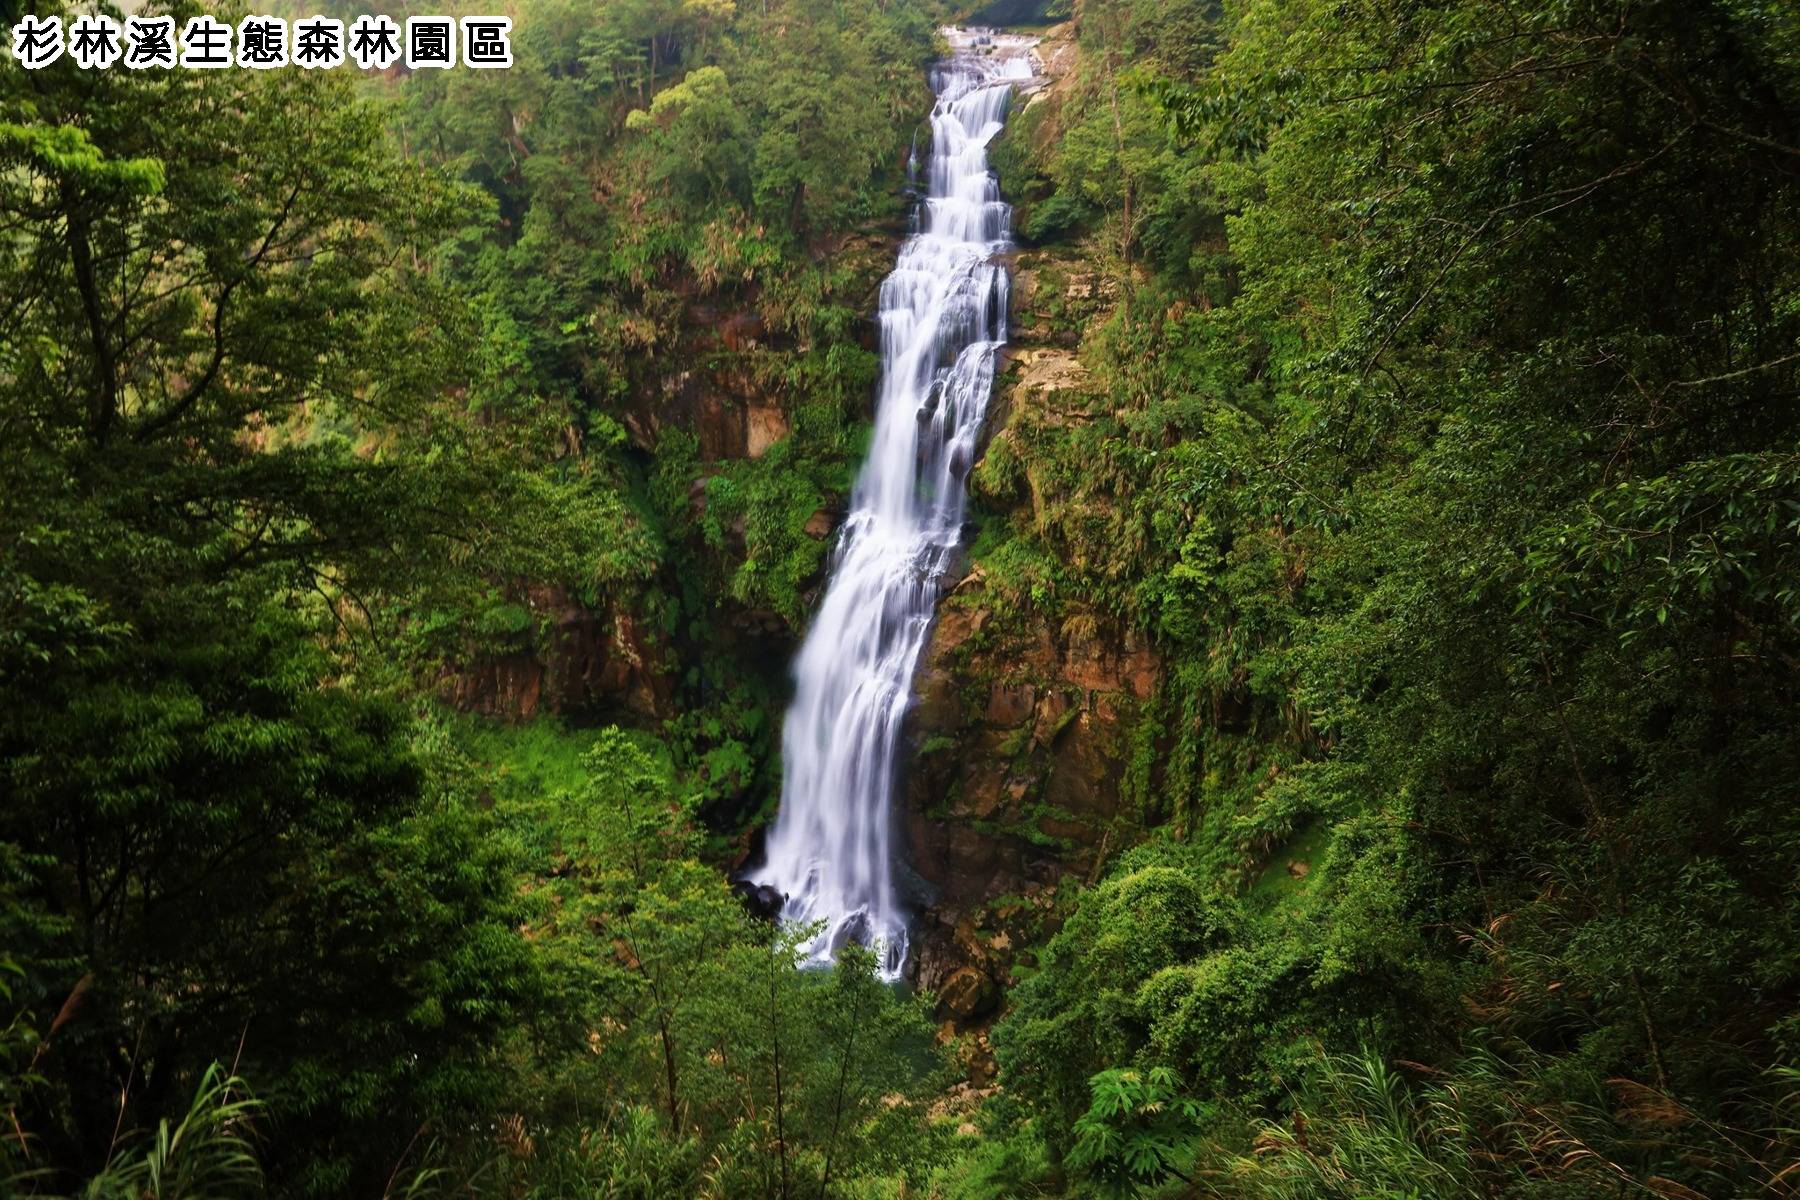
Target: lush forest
[1358,762]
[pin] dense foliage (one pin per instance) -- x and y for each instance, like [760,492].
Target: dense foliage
[1449,414]
[296,380]
[1439,430]
[691,208]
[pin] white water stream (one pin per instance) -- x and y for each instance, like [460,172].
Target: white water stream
[831,850]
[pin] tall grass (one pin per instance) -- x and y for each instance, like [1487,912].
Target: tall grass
[1369,1131]
[207,1155]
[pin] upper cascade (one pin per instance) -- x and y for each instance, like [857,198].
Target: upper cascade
[943,321]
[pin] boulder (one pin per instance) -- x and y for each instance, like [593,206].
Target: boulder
[760,900]
[965,996]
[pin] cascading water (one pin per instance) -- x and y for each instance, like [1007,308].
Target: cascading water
[943,320]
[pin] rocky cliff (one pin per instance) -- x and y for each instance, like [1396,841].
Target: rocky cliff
[1028,707]
[719,375]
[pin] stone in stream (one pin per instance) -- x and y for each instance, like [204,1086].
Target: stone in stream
[759,899]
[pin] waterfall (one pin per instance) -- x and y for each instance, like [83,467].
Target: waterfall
[943,320]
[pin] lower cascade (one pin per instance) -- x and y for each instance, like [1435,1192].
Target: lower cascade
[943,320]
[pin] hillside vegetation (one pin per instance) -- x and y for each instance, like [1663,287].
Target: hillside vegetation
[1358,762]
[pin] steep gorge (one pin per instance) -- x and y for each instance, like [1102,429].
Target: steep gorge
[1024,723]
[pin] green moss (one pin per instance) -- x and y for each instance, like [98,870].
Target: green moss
[1276,882]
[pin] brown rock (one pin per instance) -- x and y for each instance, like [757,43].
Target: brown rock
[741,331]
[978,1061]
[1141,671]
[765,424]
[982,797]
[719,428]
[581,659]
[1073,831]
[1052,716]
[969,941]
[956,624]
[940,708]
[1009,704]
[965,995]
[1024,289]
[971,851]
[1049,371]
[1087,679]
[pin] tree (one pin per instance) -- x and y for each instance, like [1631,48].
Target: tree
[238,445]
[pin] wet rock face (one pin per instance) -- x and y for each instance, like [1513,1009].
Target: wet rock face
[1009,703]
[742,331]
[760,900]
[729,413]
[765,424]
[578,659]
[1021,744]
[966,958]
[950,961]
[703,375]
[1024,721]
[1021,738]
